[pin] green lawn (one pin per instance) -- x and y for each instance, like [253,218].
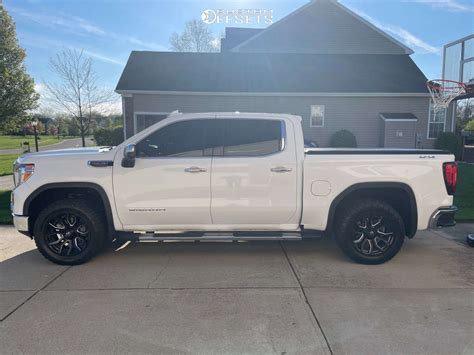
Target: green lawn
[464,197]
[15,142]
[5,216]
[6,164]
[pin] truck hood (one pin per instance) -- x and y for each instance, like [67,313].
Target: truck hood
[70,153]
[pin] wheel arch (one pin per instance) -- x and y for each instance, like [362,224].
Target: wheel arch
[396,194]
[58,190]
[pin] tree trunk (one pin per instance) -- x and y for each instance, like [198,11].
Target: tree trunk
[83,133]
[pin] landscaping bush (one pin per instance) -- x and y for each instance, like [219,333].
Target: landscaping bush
[343,139]
[109,136]
[449,141]
[72,129]
[469,126]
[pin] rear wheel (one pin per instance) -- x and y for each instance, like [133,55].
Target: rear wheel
[69,232]
[370,231]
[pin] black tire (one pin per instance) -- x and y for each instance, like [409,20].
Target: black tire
[70,232]
[369,231]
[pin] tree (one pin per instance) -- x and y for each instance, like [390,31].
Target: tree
[464,113]
[45,119]
[196,37]
[76,90]
[17,88]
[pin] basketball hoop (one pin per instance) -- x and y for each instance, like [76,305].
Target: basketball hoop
[444,91]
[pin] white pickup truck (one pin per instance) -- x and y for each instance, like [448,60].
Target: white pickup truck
[230,176]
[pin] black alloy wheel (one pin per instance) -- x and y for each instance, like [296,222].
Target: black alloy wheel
[70,232]
[372,235]
[369,231]
[67,234]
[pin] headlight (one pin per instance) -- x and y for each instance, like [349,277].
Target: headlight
[22,172]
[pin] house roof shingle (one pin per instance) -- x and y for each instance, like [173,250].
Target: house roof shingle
[271,72]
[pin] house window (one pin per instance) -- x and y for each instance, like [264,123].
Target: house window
[317,116]
[436,122]
[145,120]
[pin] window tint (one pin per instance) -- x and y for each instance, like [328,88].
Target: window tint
[244,137]
[194,138]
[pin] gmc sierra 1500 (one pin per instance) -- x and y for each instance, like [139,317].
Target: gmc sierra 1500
[230,176]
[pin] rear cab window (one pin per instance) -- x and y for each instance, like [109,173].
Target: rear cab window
[251,137]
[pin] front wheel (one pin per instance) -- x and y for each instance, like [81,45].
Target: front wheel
[69,232]
[370,231]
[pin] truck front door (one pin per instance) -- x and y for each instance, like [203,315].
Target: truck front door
[169,185]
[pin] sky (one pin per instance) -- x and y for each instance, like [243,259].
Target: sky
[108,30]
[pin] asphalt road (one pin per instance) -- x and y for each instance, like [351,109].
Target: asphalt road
[275,298]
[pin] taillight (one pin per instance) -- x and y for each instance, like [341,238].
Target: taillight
[450,172]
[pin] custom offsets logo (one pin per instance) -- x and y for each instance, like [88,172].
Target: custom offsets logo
[238,17]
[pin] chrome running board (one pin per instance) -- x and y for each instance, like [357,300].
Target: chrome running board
[216,236]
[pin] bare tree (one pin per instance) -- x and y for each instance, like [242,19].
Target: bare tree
[76,90]
[196,37]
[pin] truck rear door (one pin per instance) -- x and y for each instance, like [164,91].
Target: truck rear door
[254,174]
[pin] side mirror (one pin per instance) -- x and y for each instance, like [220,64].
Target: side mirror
[129,155]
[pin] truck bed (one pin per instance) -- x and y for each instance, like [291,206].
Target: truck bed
[330,172]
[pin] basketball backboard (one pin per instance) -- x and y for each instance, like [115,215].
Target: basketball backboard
[458,63]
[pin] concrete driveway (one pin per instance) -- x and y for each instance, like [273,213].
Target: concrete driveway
[277,298]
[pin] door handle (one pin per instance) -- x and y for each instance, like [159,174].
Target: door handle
[281,169]
[195,169]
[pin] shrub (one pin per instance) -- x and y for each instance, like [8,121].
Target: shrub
[109,136]
[469,126]
[72,129]
[343,139]
[449,141]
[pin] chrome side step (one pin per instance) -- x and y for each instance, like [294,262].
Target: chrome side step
[218,236]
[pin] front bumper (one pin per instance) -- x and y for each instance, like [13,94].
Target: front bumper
[21,224]
[443,217]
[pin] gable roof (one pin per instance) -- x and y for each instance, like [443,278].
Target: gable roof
[323,26]
[271,73]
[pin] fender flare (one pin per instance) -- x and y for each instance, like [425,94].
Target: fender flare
[64,185]
[410,229]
